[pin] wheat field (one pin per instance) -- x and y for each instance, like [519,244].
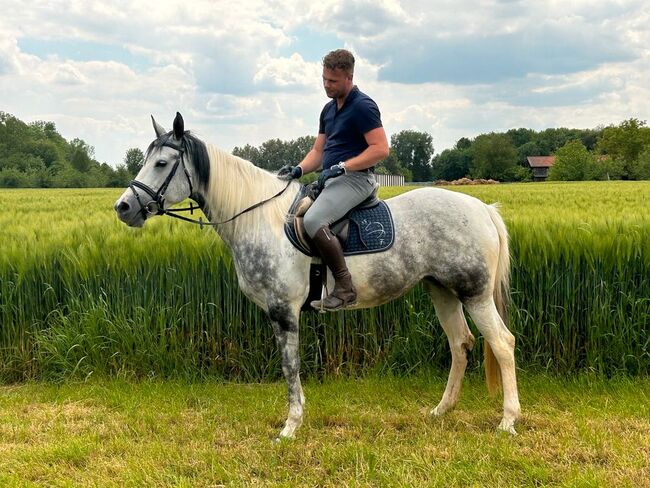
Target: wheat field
[81,294]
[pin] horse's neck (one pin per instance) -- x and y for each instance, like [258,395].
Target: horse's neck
[235,185]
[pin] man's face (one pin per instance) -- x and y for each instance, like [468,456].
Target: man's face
[337,83]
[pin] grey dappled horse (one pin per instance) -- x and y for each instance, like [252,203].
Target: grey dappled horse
[453,242]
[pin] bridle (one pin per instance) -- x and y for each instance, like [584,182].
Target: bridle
[156,206]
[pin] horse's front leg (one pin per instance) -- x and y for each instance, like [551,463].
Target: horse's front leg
[285,325]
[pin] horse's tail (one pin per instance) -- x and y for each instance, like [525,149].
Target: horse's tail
[501,297]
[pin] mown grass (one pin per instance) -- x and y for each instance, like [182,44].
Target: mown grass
[81,294]
[375,431]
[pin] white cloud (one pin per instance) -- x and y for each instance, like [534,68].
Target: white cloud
[287,72]
[237,73]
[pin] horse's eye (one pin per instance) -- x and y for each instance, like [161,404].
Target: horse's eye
[160,163]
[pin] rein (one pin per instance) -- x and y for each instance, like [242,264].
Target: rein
[157,205]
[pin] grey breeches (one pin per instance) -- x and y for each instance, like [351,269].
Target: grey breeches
[337,198]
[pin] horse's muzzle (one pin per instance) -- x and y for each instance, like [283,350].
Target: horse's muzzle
[128,213]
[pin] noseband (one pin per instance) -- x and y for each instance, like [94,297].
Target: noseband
[156,206]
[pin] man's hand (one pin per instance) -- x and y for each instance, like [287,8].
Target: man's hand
[287,172]
[333,172]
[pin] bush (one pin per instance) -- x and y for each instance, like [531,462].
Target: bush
[13,178]
[573,163]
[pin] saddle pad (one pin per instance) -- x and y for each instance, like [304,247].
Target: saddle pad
[371,229]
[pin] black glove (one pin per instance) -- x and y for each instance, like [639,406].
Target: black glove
[288,172]
[326,174]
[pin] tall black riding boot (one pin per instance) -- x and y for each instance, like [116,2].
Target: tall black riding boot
[344,293]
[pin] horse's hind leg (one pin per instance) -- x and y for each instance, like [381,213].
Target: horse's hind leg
[488,321]
[450,313]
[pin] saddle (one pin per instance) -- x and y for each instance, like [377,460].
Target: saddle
[366,228]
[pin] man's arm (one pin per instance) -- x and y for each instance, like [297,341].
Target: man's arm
[314,158]
[376,151]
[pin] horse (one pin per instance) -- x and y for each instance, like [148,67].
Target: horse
[454,243]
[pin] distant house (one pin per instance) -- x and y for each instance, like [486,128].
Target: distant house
[540,166]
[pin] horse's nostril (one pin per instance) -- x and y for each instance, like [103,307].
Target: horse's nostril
[122,206]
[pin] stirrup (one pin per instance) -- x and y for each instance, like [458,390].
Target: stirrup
[320,304]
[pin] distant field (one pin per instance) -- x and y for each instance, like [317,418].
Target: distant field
[82,294]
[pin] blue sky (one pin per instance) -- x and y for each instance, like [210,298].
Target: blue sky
[247,71]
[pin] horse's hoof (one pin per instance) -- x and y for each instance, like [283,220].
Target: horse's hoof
[289,430]
[507,426]
[282,439]
[439,411]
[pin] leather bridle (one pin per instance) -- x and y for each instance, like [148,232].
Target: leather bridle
[156,206]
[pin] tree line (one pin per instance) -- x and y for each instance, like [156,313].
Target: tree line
[36,155]
[613,152]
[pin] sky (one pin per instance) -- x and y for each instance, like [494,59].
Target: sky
[246,71]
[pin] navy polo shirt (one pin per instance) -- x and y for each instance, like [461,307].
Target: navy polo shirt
[344,128]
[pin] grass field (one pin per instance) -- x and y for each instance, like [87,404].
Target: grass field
[583,431]
[81,294]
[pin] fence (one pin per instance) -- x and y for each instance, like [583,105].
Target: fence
[390,180]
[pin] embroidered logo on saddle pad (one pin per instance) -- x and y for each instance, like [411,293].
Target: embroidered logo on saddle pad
[366,229]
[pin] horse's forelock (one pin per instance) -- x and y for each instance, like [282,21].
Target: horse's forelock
[195,148]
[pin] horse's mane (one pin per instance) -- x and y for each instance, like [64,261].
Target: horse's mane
[235,184]
[231,184]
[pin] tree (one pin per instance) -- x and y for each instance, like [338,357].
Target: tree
[80,160]
[531,148]
[521,136]
[463,143]
[573,163]
[590,138]
[80,155]
[452,164]
[134,160]
[494,156]
[249,153]
[12,178]
[46,149]
[118,177]
[413,150]
[625,142]
[391,166]
[77,143]
[550,140]
[69,177]
[640,170]
[275,153]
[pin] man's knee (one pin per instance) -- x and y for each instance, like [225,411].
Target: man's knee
[312,222]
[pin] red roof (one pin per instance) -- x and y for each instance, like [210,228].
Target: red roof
[541,161]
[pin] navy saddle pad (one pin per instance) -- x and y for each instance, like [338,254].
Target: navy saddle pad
[370,229]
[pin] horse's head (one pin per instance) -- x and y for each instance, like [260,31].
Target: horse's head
[175,168]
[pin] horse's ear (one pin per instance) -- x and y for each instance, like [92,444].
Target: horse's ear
[158,128]
[179,126]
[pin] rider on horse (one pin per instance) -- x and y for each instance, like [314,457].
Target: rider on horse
[351,140]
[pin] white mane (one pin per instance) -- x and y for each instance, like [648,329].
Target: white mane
[236,184]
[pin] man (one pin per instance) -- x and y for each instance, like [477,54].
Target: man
[351,140]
